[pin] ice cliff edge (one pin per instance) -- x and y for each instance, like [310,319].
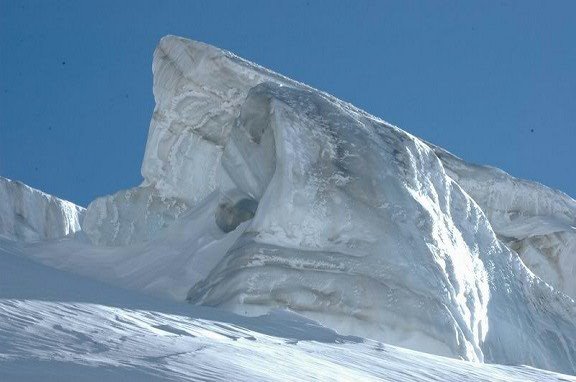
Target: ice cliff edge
[30,215]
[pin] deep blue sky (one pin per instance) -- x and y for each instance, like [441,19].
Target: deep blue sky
[492,81]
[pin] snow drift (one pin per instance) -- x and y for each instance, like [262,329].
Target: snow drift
[260,193]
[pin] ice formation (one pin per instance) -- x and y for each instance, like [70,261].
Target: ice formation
[130,216]
[260,193]
[30,215]
[537,222]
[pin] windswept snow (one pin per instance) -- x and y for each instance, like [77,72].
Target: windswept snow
[55,326]
[261,193]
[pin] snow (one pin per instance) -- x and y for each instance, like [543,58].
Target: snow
[31,215]
[262,194]
[537,222]
[56,326]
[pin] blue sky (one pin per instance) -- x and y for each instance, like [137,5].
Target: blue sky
[492,81]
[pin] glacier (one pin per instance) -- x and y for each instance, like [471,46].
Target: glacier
[537,222]
[263,194]
[29,215]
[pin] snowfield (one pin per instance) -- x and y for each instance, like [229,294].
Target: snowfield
[56,326]
[311,240]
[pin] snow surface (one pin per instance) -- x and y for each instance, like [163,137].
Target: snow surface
[261,193]
[55,326]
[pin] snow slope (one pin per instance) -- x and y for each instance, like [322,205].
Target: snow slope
[55,326]
[261,193]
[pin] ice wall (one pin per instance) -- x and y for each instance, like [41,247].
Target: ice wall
[337,234]
[535,221]
[328,211]
[130,216]
[30,215]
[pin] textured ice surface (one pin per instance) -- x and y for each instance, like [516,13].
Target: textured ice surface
[327,239]
[262,193]
[29,215]
[129,216]
[537,222]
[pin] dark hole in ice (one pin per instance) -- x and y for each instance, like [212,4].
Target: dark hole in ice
[229,215]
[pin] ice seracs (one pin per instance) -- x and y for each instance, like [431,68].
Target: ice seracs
[27,214]
[334,214]
[130,216]
[262,193]
[325,241]
[537,222]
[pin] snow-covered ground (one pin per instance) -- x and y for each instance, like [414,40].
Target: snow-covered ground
[261,194]
[56,326]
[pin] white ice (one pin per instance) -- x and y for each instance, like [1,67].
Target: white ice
[261,193]
[29,215]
